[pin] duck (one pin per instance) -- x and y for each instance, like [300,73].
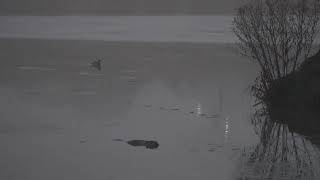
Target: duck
[96,64]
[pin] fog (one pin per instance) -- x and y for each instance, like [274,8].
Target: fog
[130,96]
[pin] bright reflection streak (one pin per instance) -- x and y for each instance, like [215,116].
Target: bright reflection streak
[199,111]
[226,130]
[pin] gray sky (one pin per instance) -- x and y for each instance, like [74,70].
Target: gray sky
[116,7]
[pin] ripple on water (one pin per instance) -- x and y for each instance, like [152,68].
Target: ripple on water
[90,74]
[36,68]
[84,93]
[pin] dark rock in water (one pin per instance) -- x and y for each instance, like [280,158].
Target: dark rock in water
[147,144]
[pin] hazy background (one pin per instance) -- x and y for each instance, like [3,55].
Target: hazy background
[117,7]
[170,73]
[195,29]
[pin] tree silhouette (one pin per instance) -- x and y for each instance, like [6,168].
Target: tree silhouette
[278,34]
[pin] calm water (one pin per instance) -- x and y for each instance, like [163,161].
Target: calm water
[60,116]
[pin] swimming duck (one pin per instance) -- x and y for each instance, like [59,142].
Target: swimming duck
[96,64]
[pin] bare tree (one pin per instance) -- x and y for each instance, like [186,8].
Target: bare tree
[278,34]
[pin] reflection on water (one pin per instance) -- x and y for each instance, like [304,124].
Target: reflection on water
[199,112]
[226,130]
[280,154]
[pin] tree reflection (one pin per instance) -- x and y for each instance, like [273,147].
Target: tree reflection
[280,154]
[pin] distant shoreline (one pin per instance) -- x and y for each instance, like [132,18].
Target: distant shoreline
[118,7]
[119,14]
[174,43]
[190,29]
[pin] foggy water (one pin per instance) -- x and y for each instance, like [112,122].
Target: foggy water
[60,116]
[176,80]
[120,28]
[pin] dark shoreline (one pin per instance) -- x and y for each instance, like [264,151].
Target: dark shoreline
[295,99]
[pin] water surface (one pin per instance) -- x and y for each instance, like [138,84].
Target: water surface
[60,116]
